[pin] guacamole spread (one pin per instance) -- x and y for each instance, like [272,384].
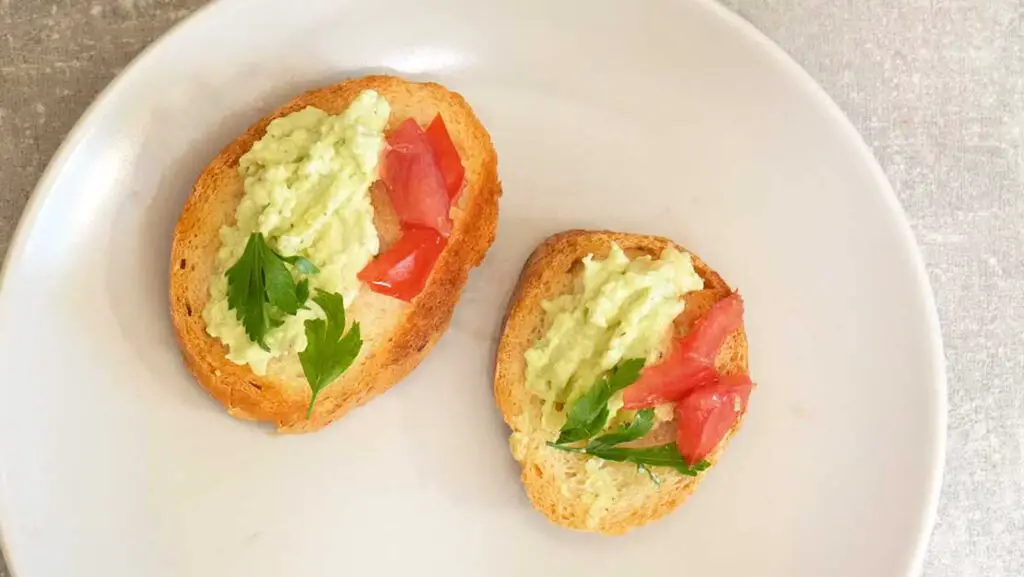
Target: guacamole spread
[619,309]
[307,191]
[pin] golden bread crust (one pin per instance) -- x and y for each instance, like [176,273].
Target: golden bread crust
[548,473]
[397,335]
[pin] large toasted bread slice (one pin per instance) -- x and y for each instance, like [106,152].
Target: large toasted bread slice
[396,335]
[557,482]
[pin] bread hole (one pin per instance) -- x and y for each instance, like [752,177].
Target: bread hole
[188,309]
[538,471]
[634,253]
[255,385]
[575,268]
[182,264]
[559,406]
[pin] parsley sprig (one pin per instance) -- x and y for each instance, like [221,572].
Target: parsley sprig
[641,424]
[666,455]
[589,415]
[262,291]
[329,350]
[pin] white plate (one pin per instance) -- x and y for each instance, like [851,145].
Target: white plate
[669,116]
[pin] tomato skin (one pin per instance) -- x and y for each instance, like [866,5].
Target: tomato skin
[668,381]
[447,156]
[710,331]
[691,362]
[705,416]
[402,271]
[416,185]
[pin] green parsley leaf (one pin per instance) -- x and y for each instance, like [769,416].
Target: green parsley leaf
[261,289]
[329,350]
[642,424]
[589,413]
[666,455]
[281,287]
[302,292]
[247,291]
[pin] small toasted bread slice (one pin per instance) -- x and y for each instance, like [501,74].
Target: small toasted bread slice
[561,484]
[396,335]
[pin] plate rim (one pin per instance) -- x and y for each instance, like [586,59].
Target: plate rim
[41,192]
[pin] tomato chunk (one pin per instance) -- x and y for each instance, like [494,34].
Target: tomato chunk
[403,269]
[710,331]
[447,156]
[417,187]
[691,362]
[705,416]
[668,381]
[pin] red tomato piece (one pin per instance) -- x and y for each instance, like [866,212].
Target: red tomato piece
[403,269]
[447,156]
[710,331]
[668,381]
[705,416]
[417,187]
[691,363]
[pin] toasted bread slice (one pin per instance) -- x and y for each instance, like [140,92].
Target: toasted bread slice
[396,335]
[561,484]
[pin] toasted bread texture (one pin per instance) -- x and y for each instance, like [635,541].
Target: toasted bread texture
[396,335]
[562,485]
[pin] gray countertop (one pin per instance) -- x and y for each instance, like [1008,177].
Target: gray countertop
[935,86]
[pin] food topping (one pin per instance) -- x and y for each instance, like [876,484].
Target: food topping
[447,157]
[619,309]
[422,173]
[415,182]
[706,415]
[691,360]
[402,270]
[306,193]
[329,350]
[588,368]
[588,416]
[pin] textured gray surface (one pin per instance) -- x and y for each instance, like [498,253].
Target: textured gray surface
[935,86]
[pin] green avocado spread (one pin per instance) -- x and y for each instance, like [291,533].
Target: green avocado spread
[307,187]
[618,309]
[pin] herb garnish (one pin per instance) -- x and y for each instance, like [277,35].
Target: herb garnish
[666,455]
[329,350]
[589,415]
[641,424]
[261,289]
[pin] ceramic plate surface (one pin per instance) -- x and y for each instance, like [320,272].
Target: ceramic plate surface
[670,117]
